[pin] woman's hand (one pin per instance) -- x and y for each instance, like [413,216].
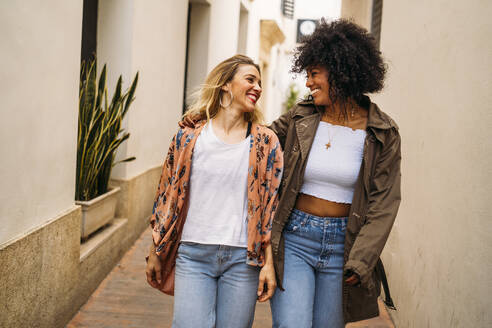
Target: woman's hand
[352,280]
[153,270]
[267,277]
[189,121]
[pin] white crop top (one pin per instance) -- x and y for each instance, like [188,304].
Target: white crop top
[334,163]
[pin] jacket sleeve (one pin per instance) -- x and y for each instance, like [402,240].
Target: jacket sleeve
[275,166]
[384,200]
[280,126]
[160,201]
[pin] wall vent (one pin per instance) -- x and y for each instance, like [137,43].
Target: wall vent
[288,8]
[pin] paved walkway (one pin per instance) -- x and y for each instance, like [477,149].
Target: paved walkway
[125,300]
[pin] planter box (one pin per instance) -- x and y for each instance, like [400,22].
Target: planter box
[98,211]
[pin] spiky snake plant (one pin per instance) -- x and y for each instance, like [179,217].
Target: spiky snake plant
[99,130]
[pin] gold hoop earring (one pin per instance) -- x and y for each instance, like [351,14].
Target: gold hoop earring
[230,103]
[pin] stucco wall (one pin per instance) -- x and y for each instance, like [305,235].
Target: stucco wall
[224,26]
[40,49]
[149,37]
[197,47]
[439,255]
[313,9]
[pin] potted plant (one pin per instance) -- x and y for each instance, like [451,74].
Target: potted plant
[99,135]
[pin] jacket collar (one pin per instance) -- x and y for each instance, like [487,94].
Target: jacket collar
[377,121]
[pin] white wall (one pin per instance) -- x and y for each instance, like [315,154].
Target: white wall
[267,10]
[149,37]
[243,30]
[315,9]
[41,42]
[439,254]
[253,36]
[198,47]
[114,48]
[224,26]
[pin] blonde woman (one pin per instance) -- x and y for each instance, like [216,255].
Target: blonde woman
[214,206]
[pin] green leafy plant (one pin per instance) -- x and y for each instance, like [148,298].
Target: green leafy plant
[99,130]
[292,97]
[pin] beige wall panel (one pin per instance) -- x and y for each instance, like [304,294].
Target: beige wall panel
[40,274]
[439,254]
[136,201]
[358,10]
[40,49]
[45,281]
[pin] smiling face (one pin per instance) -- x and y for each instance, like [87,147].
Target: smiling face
[245,87]
[317,82]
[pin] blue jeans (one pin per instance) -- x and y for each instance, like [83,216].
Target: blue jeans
[313,273]
[214,287]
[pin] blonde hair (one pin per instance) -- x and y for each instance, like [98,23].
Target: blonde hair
[207,99]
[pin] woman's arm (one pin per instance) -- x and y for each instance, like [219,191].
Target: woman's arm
[154,268]
[274,167]
[281,125]
[384,200]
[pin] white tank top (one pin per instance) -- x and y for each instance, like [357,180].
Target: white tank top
[333,163]
[218,200]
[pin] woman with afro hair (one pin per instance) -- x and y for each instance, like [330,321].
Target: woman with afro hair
[340,191]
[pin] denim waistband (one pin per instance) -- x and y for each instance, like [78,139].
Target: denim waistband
[318,220]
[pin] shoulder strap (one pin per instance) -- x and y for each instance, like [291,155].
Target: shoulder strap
[248,132]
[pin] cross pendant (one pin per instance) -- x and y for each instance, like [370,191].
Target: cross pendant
[328,145]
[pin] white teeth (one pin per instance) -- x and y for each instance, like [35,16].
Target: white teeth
[253,98]
[314,91]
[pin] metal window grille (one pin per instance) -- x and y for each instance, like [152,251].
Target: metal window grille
[377,15]
[288,8]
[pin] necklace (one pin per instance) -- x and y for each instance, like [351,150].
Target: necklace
[330,136]
[353,112]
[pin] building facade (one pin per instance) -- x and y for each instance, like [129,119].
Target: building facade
[46,272]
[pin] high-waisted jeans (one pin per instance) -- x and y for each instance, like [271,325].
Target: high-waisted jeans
[313,273]
[214,287]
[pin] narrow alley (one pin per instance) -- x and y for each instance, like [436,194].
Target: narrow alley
[91,95]
[124,299]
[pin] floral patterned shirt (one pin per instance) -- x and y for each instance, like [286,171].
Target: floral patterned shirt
[169,211]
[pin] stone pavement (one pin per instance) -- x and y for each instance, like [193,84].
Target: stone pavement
[125,300]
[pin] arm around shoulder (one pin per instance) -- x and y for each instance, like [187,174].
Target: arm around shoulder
[281,125]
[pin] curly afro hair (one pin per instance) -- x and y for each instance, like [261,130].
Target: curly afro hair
[349,53]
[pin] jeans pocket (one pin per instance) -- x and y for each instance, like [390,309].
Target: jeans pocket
[186,247]
[295,224]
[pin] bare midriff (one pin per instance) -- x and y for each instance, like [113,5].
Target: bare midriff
[321,207]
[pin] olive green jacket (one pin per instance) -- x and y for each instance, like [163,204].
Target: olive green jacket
[374,206]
